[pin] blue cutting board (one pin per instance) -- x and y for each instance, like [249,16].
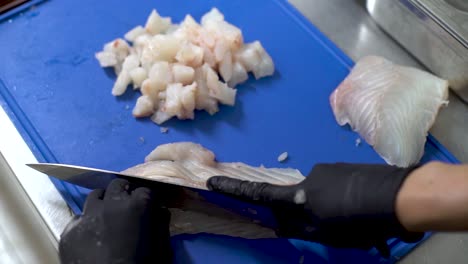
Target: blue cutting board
[60,100]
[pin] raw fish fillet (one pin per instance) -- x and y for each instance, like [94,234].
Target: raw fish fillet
[191,165]
[392,107]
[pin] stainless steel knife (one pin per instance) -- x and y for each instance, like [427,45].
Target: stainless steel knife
[90,178]
[191,212]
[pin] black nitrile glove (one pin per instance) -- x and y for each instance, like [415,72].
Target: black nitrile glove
[340,205]
[119,225]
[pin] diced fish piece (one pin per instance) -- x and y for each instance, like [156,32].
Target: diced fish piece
[106,58]
[207,39]
[203,100]
[141,42]
[218,89]
[225,67]
[150,89]
[157,24]
[190,23]
[183,74]
[230,33]
[160,48]
[239,75]
[134,33]
[190,55]
[265,68]
[131,62]
[143,107]
[160,117]
[392,107]
[220,49]
[138,75]
[225,94]
[211,78]
[161,74]
[120,85]
[209,57]
[255,59]
[248,57]
[180,100]
[188,29]
[119,47]
[173,104]
[212,16]
[188,99]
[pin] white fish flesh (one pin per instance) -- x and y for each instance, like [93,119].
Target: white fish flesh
[255,59]
[144,106]
[162,55]
[182,151]
[138,75]
[134,33]
[194,174]
[392,107]
[283,156]
[157,24]
[106,58]
[183,74]
[191,165]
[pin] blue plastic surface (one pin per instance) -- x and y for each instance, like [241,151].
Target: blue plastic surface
[59,98]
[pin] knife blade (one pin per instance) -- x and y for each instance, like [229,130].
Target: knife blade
[91,178]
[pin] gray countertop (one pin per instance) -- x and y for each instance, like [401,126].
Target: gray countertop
[349,26]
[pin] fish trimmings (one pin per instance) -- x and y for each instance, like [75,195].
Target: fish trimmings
[283,156]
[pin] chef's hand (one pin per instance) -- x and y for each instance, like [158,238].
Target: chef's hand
[119,225]
[340,205]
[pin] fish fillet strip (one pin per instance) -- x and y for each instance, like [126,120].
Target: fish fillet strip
[191,165]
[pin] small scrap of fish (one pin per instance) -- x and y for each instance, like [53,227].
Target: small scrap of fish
[283,156]
[392,107]
[191,165]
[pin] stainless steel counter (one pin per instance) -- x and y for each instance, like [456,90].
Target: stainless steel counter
[347,23]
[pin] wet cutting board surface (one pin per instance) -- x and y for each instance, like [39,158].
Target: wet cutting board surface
[60,99]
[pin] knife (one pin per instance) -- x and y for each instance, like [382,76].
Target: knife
[92,178]
[191,212]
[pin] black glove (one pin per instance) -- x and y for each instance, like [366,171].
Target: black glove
[340,205]
[118,226]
